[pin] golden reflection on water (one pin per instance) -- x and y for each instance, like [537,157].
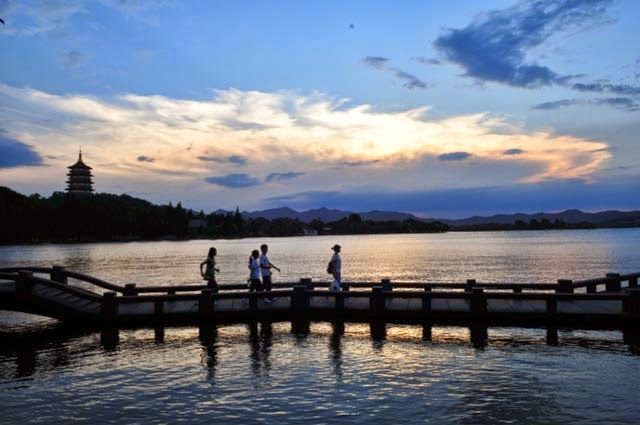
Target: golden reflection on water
[534,256]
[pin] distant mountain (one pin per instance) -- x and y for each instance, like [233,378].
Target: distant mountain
[326,215]
[568,216]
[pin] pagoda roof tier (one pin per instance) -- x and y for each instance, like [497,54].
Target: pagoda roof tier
[79,165]
[79,172]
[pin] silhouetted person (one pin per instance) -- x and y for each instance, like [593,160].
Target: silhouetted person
[335,268]
[209,273]
[254,271]
[265,270]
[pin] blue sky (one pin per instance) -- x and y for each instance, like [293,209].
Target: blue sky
[443,108]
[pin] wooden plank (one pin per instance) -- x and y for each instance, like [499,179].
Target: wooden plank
[499,306]
[458,305]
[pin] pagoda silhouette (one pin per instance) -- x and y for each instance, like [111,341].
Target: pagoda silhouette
[80,179]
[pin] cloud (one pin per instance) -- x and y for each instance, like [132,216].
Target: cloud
[378,62]
[622,89]
[623,103]
[557,104]
[14,153]
[144,158]
[427,61]
[306,133]
[232,159]
[73,58]
[626,104]
[494,46]
[381,63]
[238,180]
[54,17]
[454,156]
[359,163]
[514,151]
[283,176]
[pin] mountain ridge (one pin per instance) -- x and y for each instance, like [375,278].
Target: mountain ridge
[326,215]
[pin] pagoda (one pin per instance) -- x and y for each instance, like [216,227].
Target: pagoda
[80,182]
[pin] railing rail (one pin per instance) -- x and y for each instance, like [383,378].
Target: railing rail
[612,282]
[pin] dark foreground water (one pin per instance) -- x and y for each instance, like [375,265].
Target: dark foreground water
[247,373]
[324,373]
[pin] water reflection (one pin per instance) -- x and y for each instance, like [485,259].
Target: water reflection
[631,337]
[378,329]
[335,348]
[493,396]
[552,335]
[260,343]
[300,328]
[208,337]
[158,334]
[486,256]
[479,335]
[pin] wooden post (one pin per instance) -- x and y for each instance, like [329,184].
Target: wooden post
[478,302]
[552,335]
[552,305]
[565,286]
[205,303]
[376,302]
[631,305]
[344,286]
[307,283]
[24,284]
[479,335]
[109,306]
[378,329]
[426,300]
[426,331]
[339,301]
[299,298]
[386,285]
[517,290]
[613,282]
[471,283]
[592,288]
[158,309]
[59,274]
[130,290]
[633,282]
[253,301]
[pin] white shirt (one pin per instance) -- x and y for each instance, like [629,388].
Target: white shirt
[255,269]
[264,265]
[337,263]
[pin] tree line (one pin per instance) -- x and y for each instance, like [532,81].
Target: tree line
[106,217]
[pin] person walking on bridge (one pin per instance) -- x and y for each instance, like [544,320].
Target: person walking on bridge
[254,271]
[265,270]
[209,274]
[335,268]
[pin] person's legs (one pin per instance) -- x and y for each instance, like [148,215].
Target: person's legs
[211,283]
[335,286]
[266,283]
[255,285]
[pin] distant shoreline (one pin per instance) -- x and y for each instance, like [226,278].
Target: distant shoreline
[169,239]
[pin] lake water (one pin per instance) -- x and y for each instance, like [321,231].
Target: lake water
[269,373]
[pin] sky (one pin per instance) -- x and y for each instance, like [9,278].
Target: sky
[441,108]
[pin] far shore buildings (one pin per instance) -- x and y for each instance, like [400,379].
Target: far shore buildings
[80,180]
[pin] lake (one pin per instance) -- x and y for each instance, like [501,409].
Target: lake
[271,373]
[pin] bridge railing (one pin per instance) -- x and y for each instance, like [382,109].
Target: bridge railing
[611,282]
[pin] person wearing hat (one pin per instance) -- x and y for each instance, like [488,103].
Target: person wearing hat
[335,268]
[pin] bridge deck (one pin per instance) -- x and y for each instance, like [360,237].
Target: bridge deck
[471,302]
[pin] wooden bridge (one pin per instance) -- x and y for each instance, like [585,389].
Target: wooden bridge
[609,302]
